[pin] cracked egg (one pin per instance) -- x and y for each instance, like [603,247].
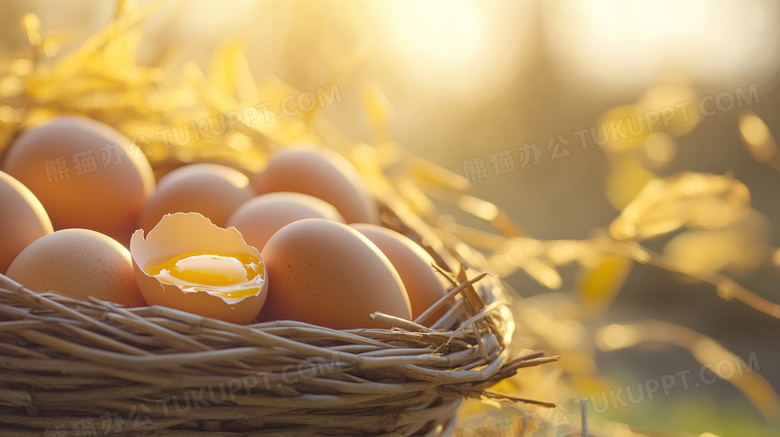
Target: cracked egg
[187,263]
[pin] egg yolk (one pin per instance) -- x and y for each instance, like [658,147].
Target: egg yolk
[231,277]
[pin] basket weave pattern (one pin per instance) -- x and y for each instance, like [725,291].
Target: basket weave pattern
[70,366]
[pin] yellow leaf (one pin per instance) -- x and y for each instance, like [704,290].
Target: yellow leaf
[378,110]
[230,75]
[75,62]
[599,283]
[524,253]
[424,171]
[52,43]
[659,149]
[625,128]
[703,251]
[626,178]
[670,107]
[695,200]
[756,137]
[31,24]
[120,52]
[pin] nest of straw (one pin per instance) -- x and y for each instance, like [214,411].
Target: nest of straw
[69,366]
[72,367]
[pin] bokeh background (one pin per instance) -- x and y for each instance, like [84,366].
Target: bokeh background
[467,79]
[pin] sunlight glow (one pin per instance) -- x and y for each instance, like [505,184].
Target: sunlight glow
[626,44]
[461,49]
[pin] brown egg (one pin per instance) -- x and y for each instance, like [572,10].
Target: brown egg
[328,274]
[80,171]
[22,220]
[323,174]
[78,263]
[261,217]
[423,285]
[213,190]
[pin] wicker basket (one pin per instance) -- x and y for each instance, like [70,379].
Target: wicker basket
[80,368]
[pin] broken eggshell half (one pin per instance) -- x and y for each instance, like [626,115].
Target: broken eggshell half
[179,234]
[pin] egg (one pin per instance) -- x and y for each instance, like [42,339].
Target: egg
[413,264]
[78,263]
[79,171]
[328,274]
[213,190]
[188,263]
[261,217]
[323,174]
[22,221]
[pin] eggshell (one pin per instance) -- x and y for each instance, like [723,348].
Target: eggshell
[80,171]
[22,219]
[261,217]
[413,264]
[181,233]
[78,263]
[213,190]
[326,273]
[323,174]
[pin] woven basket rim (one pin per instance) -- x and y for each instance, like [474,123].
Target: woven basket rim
[74,359]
